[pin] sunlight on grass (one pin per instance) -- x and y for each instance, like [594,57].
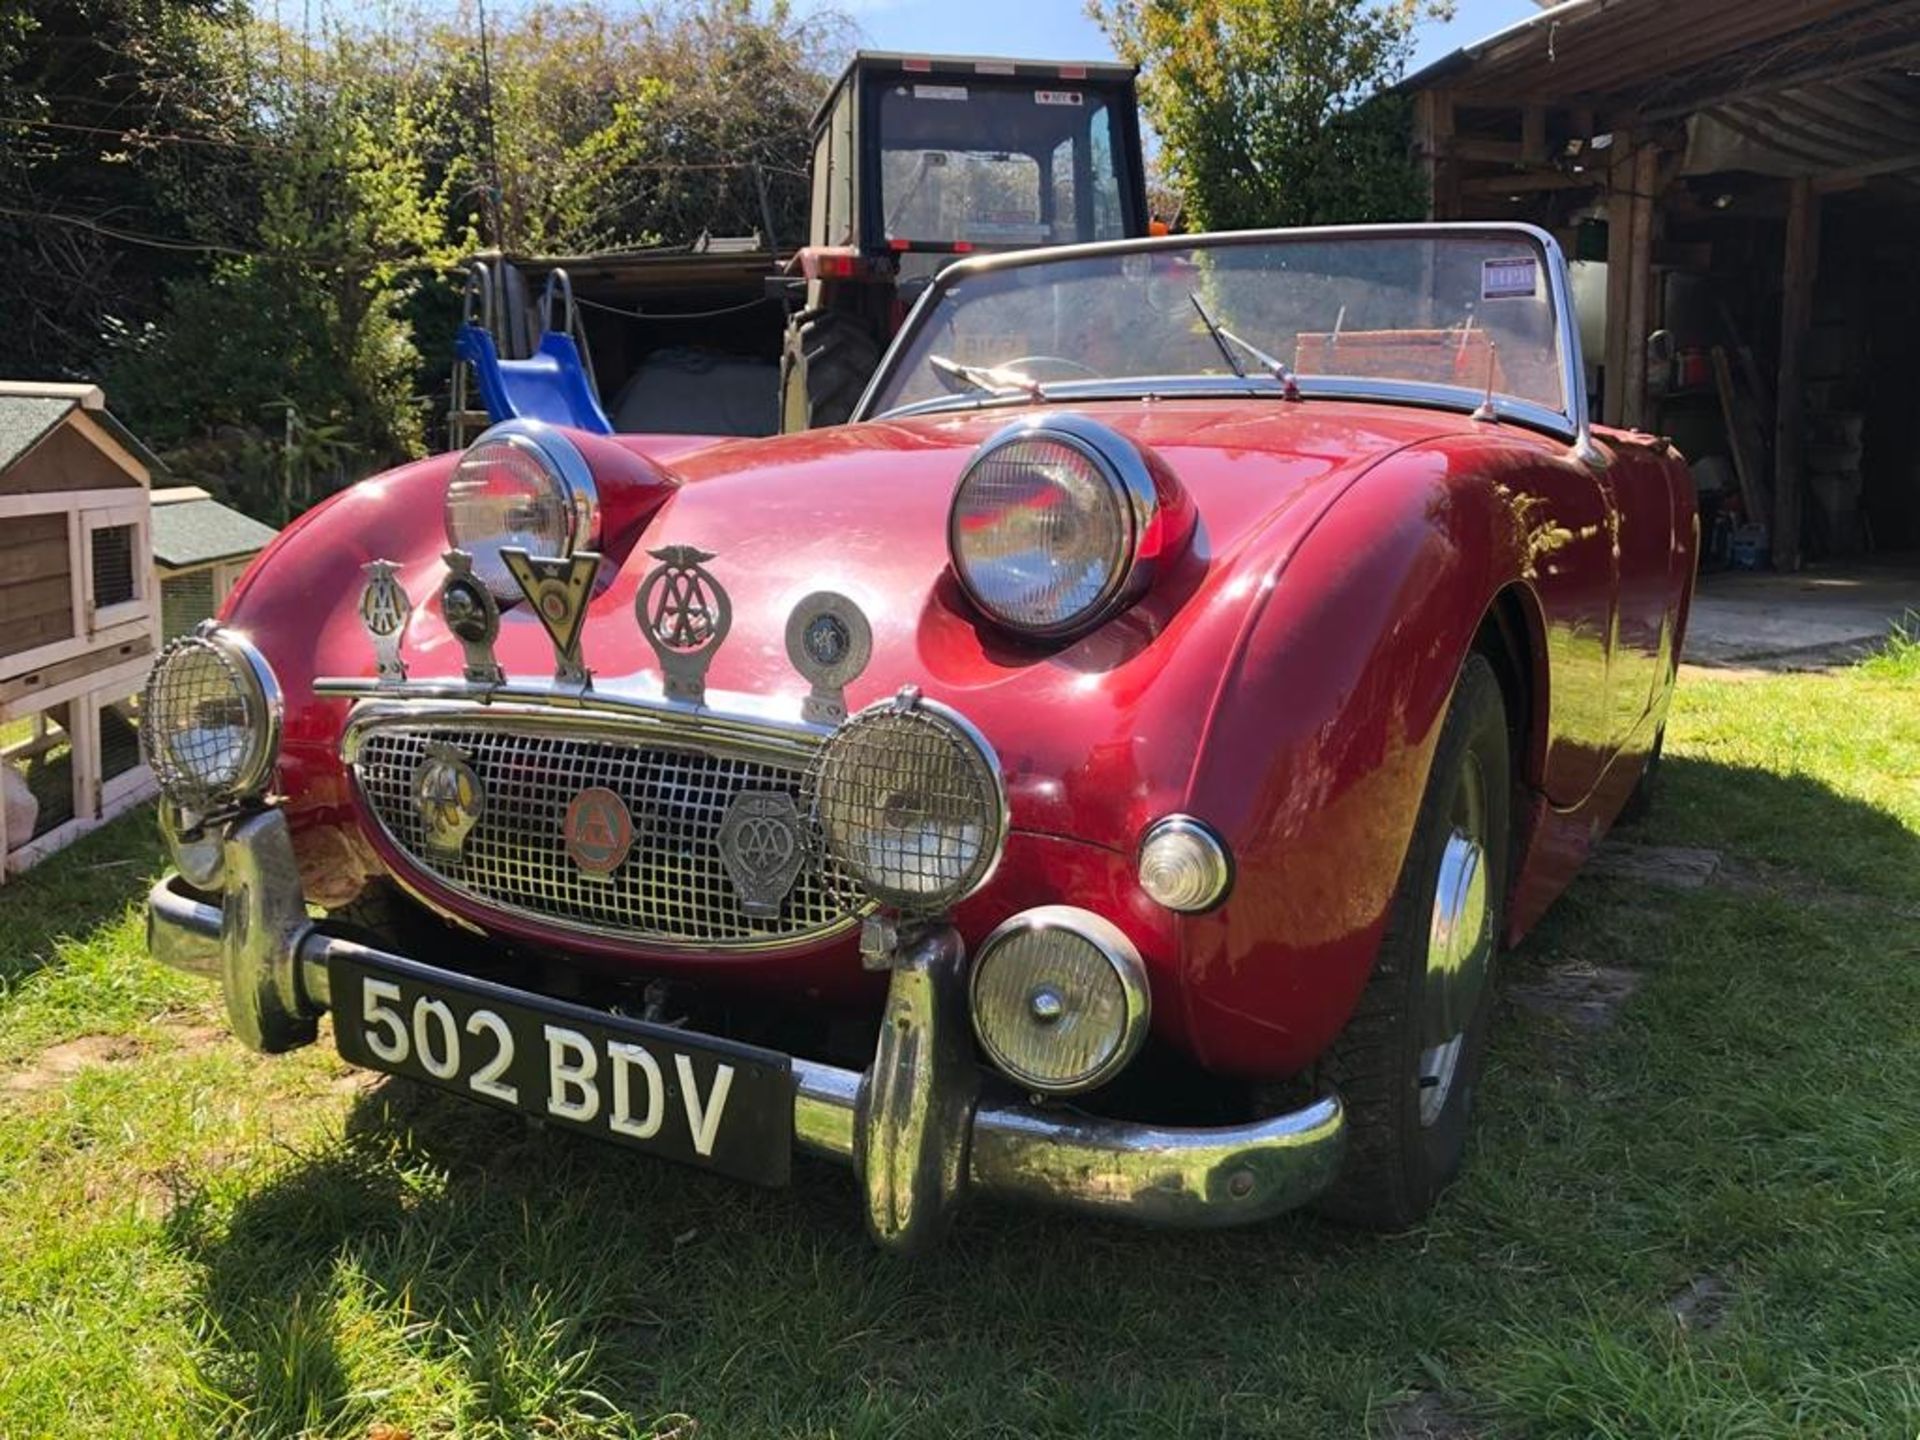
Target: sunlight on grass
[1899,658]
[195,1241]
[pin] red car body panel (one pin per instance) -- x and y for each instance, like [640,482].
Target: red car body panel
[1331,564]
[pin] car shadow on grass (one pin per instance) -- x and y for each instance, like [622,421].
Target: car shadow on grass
[440,1263]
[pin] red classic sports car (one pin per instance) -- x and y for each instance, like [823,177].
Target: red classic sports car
[1102,774]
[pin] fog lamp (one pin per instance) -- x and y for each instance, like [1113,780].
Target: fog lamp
[1060,1000]
[909,802]
[210,720]
[1184,865]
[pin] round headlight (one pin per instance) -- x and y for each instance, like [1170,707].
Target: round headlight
[210,720]
[1184,865]
[1046,524]
[522,484]
[1060,1000]
[909,802]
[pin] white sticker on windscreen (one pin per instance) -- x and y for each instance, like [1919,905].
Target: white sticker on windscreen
[939,92]
[1057,97]
[1513,277]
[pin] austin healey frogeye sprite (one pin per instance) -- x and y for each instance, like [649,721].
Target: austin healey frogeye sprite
[1101,775]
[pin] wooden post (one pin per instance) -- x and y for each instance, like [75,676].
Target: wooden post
[1433,144]
[1646,170]
[1533,135]
[1796,318]
[1619,267]
[1633,174]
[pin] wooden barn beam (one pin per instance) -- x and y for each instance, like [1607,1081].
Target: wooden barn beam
[1433,142]
[1646,184]
[1533,135]
[1522,181]
[1633,178]
[1796,321]
[1700,93]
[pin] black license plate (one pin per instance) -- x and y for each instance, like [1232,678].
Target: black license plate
[692,1098]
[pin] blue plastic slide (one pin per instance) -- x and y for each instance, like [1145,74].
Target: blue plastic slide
[550,384]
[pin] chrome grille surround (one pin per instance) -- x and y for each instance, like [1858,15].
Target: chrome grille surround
[676,771]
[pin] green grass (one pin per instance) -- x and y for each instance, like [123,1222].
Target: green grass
[195,1241]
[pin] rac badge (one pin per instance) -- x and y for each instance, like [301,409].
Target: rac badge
[598,832]
[685,614]
[449,797]
[760,846]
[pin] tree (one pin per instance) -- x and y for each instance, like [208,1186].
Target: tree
[1269,111]
[302,334]
[117,120]
[253,233]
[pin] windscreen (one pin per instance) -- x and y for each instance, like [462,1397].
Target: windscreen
[999,162]
[1468,310]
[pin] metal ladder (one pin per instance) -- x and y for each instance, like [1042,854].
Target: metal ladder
[484,295]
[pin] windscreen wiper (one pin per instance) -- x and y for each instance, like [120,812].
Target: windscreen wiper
[987,379]
[1225,340]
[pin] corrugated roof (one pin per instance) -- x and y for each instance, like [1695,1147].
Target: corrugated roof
[1666,55]
[201,532]
[25,420]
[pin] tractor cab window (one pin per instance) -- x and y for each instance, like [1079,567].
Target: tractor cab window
[1005,164]
[1086,186]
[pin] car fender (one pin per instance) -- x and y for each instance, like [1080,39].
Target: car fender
[1321,734]
[299,605]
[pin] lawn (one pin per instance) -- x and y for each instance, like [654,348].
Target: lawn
[1699,1218]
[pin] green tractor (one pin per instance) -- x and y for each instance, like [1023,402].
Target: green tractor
[917,161]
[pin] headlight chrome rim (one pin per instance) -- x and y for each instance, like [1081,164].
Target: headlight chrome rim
[556,453]
[1128,967]
[909,706]
[1119,463]
[264,708]
[1192,831]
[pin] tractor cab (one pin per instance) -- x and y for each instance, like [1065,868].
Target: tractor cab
[923,155]
[918,159]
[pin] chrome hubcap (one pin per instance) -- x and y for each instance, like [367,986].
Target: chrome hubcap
[1459,944]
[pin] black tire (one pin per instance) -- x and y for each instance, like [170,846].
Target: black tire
[1640,802]
[825,363]
[1397,1165]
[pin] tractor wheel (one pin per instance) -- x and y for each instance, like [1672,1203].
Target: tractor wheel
[824,366]
[1409,1060]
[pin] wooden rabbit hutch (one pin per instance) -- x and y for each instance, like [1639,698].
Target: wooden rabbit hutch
[78,616]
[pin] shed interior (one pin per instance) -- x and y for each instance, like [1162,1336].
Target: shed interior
[1738,181]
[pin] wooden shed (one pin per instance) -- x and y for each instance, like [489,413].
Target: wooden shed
[200,547]
[77,616]
[1744,176]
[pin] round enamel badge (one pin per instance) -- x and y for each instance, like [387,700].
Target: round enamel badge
[598,831]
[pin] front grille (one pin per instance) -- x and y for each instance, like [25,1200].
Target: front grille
[673,887]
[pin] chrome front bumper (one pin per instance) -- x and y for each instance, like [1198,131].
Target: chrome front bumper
[912,1125]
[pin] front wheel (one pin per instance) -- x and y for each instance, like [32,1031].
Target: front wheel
[1409,1060]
